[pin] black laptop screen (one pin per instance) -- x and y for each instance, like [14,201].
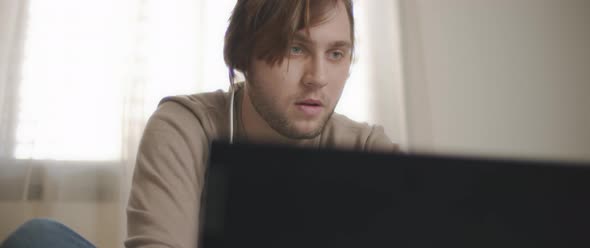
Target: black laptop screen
[270,196]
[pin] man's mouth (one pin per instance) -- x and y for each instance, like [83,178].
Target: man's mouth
[310,102]
[310,107]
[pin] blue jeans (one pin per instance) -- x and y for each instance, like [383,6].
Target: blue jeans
[44,233]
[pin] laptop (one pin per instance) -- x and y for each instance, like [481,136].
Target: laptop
[274,196]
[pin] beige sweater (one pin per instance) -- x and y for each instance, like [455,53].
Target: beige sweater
[164,202]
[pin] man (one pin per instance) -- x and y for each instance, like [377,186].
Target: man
[295,56]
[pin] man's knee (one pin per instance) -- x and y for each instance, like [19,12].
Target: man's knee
[44,232]
[39,226]
[30,232]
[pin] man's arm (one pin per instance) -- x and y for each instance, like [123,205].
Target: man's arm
[164,201]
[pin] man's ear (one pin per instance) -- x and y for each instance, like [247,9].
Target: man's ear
[352,62]
[246,76]
[349,71]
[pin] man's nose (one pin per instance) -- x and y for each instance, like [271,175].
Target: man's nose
[316,72]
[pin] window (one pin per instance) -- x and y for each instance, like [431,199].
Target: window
[93,71]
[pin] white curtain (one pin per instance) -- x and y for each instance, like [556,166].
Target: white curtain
[79,78]
[12,23]
[90,73]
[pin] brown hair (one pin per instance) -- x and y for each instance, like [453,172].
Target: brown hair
[265,28]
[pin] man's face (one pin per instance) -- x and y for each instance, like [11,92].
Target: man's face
[298,96]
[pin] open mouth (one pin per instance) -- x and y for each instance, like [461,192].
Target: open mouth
[310,103]
[310,107]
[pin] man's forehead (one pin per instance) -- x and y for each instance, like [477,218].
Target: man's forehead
[343,41]
[334,30]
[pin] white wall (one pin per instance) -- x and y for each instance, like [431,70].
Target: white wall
[506,78]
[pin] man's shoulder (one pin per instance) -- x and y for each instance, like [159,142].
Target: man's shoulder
[198,103]
[342,121]
[342,129]
[204,110]
[342,132]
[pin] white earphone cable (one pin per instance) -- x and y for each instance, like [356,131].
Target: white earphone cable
[231,115]
[232,91]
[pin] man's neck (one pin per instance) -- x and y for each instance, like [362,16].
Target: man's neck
[257,130]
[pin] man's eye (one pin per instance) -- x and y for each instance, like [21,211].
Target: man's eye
[336,55]
[295,50]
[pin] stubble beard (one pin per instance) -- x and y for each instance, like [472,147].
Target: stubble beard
[278,119]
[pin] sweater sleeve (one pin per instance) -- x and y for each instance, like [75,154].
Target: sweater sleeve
[163,206]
